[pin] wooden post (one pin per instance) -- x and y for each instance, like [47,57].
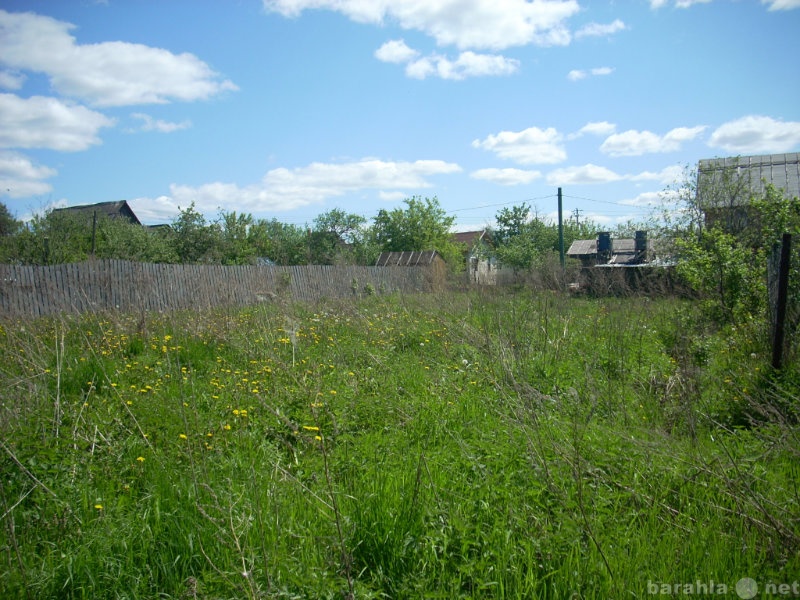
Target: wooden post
[783,293]
[560,230]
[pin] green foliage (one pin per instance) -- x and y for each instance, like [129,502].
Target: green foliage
[8,224]
[455,446]
[422,225]
[194,239]
[524,242]
[718,266]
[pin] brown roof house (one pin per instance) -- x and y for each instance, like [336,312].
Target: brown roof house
[726,185]
[115,210]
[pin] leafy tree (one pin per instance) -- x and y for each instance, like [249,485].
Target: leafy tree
[524,241]
[8,224]
[281,243]
[422,225]
[334,231]
[236,245]
[195,239]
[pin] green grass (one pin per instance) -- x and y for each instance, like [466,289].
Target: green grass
[441,446]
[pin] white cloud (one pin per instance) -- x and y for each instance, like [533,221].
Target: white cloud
[11,80]
[103,74]
[586,174]
[782,4]
[40,122]
[656,4]
[636,143]
[578,74]
[596,128]
[151,124]
[392,196]
[506,176]
[481,24]
[468,64]
[646,199]
[665,176]
[396,51]
[286,189]
[20,178]
[756,134]
[600,30]
[530,146]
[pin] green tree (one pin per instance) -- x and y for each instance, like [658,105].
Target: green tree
[236,244]
[422,225]
[195,239]
[281,243]
[334,232]
[8,224]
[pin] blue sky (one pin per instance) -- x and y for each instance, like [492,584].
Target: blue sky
[289,108]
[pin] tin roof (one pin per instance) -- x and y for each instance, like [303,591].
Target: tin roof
[750,174]
[421,258]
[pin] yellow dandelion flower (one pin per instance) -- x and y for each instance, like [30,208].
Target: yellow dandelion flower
[310,427]
[140,459]
[318,438]
[98,506]
[226,427]
[182,436]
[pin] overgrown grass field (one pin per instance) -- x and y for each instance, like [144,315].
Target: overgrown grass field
[460,445]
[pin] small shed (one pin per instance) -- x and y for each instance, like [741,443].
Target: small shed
[119,209]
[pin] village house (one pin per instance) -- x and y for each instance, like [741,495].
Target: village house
[726,185]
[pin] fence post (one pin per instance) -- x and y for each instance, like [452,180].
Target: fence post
[783,292]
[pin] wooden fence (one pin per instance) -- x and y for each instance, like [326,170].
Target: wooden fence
[98,285]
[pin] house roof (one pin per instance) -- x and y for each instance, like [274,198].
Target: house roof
[421,258]
[116,209]
[470,238]
[751,173]
[589,247]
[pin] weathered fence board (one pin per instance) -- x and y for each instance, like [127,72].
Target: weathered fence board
[99,285]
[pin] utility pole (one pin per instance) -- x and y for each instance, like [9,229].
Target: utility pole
[560,230]
[577,213]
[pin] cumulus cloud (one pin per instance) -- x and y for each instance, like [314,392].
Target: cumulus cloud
[506,176]
[781,4]
[159,125]
[468,64]
[600,30]
[586,174]
[479,24]
[11,80]
[396,51]
[286,189]
[103,74]
[595,128]
[530,146]
[40,122]
[636,143]
[21,178]
[578,74]
[756,134]
[655,4]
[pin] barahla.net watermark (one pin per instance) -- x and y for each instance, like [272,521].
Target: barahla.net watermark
[746,588]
